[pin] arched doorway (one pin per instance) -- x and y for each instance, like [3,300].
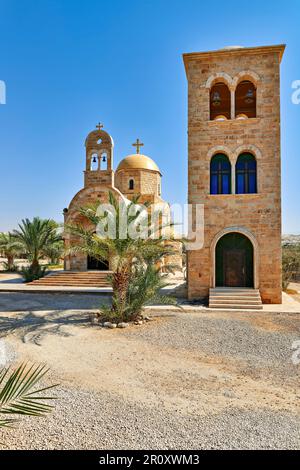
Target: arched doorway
[94,264]
[234,261]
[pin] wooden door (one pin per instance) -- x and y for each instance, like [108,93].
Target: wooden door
[234,268]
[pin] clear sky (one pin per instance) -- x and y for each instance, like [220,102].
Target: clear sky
[68,64]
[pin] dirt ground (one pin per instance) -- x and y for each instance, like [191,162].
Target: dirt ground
[202,365]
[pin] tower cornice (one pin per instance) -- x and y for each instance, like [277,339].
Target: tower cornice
[192,56]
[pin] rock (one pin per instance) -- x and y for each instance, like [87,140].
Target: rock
[108,324]
[139,322]
[229,394]
[123,324]
[94,319]
[147,318]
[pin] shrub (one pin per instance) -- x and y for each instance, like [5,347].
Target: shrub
[12,268]
[144,289]
[32,274]
[290,264]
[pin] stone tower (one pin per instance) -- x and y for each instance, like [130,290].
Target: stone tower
[99,158]
[234,169]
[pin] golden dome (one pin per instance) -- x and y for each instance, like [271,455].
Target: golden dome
[137,161]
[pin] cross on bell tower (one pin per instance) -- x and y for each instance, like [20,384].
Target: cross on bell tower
[138,144]
[99,126]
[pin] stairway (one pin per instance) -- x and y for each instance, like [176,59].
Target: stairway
[240,298]
[74,279]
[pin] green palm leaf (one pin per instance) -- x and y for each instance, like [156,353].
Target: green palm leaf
[19,394]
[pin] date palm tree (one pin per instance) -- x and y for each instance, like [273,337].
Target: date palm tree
[19,394]
[10,248]
[35,237]
[129,256]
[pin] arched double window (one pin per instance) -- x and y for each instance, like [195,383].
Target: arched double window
[245,100]
[245,174]
[220,108]
[220,174]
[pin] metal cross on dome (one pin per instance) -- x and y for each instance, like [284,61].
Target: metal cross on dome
[138,144]
[99,126]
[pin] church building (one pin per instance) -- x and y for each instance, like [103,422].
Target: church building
[234,171]
[136,174]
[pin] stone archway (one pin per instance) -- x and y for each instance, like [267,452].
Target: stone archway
[234,259]
[94,264]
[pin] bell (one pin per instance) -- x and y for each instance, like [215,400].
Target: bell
[249,97]
[216,99]
[94,160]
[104,159]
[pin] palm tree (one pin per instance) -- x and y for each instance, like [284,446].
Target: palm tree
[129,256]
[18,393]
[35,237]
[55,252]
[10,249]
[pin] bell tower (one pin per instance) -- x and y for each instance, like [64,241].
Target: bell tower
[234,170]
[99,158]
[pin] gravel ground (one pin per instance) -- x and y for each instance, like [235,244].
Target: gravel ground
[85,420]
[261,342]
[182,381]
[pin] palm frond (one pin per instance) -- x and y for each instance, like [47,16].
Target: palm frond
[19,395]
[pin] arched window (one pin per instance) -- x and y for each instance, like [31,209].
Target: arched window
[220,102]
[103,162]
[220,174]
[131,184]
[245,173]
[94,162]
[245,100]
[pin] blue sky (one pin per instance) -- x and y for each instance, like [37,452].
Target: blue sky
[68,64]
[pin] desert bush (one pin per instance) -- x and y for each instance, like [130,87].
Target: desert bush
[12,268]
[290,264]
[31,273]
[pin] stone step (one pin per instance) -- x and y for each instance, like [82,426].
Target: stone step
[235,307]
[74,279]
[54,283]
[235,298]
[235,290]
[240,301]
[71,284]
[235,295]
[78,275]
